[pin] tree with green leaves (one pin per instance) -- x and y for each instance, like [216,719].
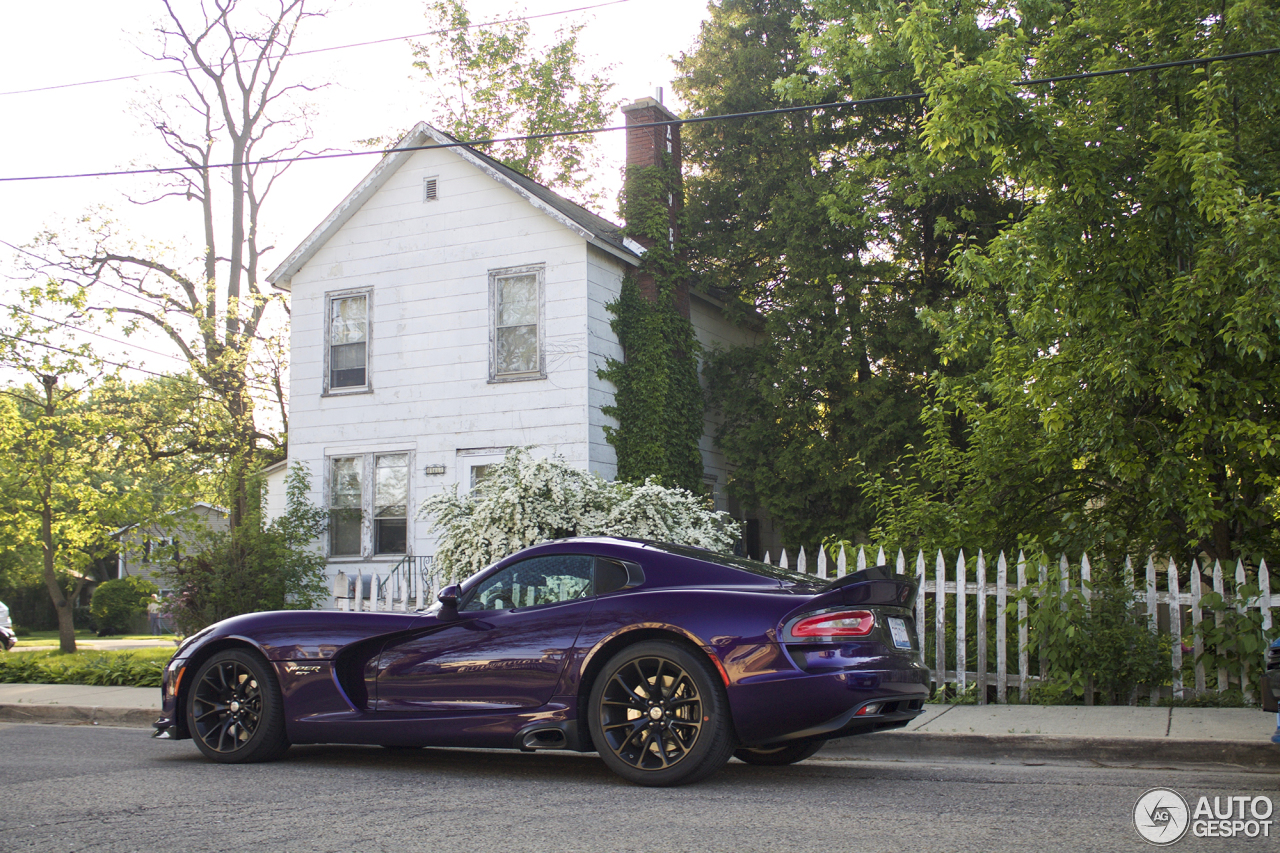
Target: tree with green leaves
[235,104]
[60,489]
[1123,330]
[492,81]
[262,565]
[836,228]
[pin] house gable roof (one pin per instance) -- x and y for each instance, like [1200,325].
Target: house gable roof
[594,229]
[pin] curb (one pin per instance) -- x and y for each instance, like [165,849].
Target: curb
[889,746]
[78,715]
[923,746]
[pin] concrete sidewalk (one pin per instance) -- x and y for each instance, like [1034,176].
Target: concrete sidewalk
[78,704]
[1121,735]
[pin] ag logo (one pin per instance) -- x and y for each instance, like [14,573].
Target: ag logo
[1161,816]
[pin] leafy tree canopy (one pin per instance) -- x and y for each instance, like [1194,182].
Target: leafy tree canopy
[837,227]
[492,82]
[1125,325]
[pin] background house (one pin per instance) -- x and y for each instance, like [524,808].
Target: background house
[147,549]
[447,310]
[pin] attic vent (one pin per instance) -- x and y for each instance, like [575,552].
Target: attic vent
[429,189]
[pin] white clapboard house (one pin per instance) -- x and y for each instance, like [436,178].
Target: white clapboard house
[448,309]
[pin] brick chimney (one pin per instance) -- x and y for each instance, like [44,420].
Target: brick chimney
[656,146]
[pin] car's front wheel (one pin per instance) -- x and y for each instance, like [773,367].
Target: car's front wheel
[659,715]
[234,710]
[777,756]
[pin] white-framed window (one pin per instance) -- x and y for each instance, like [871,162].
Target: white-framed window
[479,473]
[347,342]
[516,304]
[368,500]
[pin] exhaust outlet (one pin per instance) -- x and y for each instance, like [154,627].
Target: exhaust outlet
[544,739]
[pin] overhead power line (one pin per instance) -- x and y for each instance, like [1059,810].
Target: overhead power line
[132,345]
[171,376]
[185,68]
[472,143]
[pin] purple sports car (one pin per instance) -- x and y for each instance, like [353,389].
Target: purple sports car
[664,659]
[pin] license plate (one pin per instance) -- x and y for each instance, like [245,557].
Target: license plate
[898,628]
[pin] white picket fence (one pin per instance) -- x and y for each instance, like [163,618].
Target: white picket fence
[970,579]
[950,590]
[408,585]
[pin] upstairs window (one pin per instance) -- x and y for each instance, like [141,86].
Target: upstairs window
[515,332]
[348,341]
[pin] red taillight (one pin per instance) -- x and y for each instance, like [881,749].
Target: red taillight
[849,623]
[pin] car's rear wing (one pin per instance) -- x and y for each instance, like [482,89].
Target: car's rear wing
[873,585]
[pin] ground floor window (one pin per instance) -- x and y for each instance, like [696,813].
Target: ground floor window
[368,504]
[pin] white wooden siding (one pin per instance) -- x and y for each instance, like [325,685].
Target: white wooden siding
[427,265]
[604,285]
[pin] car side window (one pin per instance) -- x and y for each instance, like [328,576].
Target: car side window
[538,580]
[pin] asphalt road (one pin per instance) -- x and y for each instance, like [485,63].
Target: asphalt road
[77,788]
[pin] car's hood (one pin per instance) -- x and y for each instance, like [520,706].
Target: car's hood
[303,634]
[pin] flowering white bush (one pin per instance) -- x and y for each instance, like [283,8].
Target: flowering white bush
[523,501]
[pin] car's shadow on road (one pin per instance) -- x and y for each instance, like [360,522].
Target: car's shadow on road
[547,766]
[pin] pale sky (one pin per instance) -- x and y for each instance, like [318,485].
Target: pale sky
[374,91]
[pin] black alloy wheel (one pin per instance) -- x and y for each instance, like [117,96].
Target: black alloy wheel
[659,715]
[234,710]
[777,756]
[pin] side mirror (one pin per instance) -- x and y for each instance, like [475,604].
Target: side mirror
[449,596]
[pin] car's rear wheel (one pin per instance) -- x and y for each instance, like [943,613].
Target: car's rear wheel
[659,715]
[777,756]
[234,711]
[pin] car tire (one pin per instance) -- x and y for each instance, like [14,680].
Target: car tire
[659,715]
[778,756]
[234,710]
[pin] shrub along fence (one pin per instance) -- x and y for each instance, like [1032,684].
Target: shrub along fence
[1117,638]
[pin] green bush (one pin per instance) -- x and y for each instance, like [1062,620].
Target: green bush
[115,603]
[101,669]
[1101,644]
[255,567]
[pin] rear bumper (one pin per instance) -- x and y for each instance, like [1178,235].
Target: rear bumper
[795,706]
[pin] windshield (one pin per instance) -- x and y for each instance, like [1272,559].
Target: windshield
[756,567]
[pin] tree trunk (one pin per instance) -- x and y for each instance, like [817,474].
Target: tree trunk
[66,622]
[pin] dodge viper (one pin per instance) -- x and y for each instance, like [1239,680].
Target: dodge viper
[665,660]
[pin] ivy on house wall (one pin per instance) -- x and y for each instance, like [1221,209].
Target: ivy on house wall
[658,402]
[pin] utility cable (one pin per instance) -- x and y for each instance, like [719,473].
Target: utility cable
[131,345]
[169,376]
[471,143]
[185,68]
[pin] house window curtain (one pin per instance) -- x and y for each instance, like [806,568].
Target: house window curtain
[348,342]
[345,515]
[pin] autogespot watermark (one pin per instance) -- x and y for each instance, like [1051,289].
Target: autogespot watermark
[1163,816]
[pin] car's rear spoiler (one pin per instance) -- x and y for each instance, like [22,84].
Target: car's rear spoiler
[875,585]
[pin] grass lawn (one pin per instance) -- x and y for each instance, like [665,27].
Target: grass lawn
[50,638]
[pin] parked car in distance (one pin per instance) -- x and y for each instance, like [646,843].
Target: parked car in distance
[666,660]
